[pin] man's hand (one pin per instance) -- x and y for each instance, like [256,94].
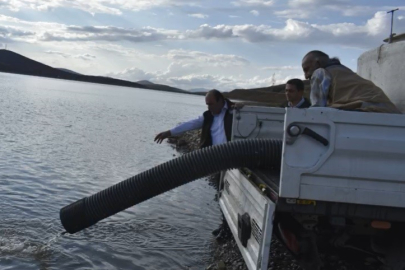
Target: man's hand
[163,135]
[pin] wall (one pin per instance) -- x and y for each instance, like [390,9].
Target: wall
[385,67]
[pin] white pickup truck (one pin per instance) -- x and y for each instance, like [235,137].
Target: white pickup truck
[341,185]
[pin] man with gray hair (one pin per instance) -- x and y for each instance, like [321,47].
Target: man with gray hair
[334,85]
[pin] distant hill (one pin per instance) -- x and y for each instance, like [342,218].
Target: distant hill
[16,63]
[161,87]
[68,70]
[12,62]
[145,82]
[271,96]
[199,90]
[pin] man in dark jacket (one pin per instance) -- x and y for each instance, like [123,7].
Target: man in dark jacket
[294,92]
[216,125]
[216,122]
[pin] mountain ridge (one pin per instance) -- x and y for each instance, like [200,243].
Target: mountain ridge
[11,62]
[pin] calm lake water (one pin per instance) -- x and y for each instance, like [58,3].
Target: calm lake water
[62,141]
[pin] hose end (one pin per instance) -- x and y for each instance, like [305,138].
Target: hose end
[73,217]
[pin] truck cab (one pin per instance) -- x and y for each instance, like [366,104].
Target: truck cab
[341,185]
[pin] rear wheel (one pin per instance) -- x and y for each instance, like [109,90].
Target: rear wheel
[299,242]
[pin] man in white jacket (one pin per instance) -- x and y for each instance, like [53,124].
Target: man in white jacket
[216,122]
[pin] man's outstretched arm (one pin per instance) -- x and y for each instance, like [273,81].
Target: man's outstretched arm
[187,126]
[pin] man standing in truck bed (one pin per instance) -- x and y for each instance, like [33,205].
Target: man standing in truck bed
[294,92]
[334,85]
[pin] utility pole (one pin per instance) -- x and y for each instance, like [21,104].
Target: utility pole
[273,79]
[392,22]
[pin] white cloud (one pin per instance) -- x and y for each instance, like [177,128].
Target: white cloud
[114,7]
[350,34]
[378,24]
[108,33]
[198,15]
[293,13]
[13,32]
[195,69]
[133,74]
[341,29]
[316,3]
[58,53]
[207,31]
[11,5]
[254,3]
[217,60]
[255,12]
[186,77]
[303,9]
[292,31]
[67,45]
[86,56]
[281,68]
[10,34]
[363,35]
[188,69]
[147,4]
[91,6]
[116,49]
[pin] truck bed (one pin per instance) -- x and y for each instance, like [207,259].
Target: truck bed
[271,179]
[340,171]
[353,158]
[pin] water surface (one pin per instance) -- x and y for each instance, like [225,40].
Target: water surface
[61,141]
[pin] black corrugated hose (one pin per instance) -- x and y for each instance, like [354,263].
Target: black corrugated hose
[251,153]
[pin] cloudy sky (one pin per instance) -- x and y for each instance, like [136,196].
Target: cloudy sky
[194,43]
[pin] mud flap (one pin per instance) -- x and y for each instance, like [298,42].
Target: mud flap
[250,217]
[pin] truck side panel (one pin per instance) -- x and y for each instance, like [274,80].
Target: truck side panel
[362,164]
